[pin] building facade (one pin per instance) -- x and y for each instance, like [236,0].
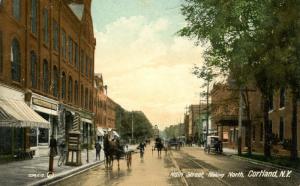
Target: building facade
[225,103]
[47,51]
[104,108]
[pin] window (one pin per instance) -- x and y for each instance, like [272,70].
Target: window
[82,61]
[270,127]
[64,44]
[86,105]
[282,97]
[76,92]
[55,35]
[70,50]
[34,69]
[271,105]
[91,69]
[82,96]
[91,100]
[76,56]
[261,131]
[45,76]
[70,89]
[281,129]
[63,85]
[16,8]
[55,81]
[1,53]
[15,58]
[45,25]
[34,16]
[86,65]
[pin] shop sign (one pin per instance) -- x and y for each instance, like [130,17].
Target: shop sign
[43,103]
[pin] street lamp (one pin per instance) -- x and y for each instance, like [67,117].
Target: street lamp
[131,125]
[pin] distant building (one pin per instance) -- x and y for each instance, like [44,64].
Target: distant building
[225,106]
[195,123]
[104,107]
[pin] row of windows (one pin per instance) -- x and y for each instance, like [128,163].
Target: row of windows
[34,75]
[87,68]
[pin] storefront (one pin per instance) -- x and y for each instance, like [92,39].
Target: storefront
[17,120]
[48,109]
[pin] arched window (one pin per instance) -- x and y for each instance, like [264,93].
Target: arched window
[45,76]
[76,91]
[86,105]
[63,85]
[15,58]
[55,81]
[70,89]
[33,69]
[16,9]
[34,16]
[82,96]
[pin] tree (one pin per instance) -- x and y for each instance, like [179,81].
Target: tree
[248,39]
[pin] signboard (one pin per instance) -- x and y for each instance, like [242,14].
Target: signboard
[45,104]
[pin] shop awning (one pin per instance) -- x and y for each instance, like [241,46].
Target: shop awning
[100,131]
[15,113]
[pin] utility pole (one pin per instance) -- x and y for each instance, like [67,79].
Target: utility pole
[240,123]
[131,125]
[207,112]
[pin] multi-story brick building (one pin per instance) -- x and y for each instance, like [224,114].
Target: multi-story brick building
[225,105]
[47,53]
[104,107]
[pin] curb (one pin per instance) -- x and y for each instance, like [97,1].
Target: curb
[257,162]
[67,174]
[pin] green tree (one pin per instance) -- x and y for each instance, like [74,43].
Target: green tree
[252,40]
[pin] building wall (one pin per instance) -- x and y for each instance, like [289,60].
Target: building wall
[60,12]
[220,95]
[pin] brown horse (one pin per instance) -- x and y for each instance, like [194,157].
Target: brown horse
[112,148]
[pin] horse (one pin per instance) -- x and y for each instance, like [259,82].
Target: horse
[159,146]
[112,148]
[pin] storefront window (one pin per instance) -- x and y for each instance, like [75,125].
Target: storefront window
[43,135]
[6,142]
[33,137]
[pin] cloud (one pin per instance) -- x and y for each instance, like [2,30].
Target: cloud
[147,68]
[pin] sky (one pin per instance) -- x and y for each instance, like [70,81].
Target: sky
[144,63]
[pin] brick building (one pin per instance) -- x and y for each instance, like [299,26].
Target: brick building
[225,105]
[104,107]
[47,54]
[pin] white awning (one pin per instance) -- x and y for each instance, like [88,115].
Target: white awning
[15,113]
[100,131]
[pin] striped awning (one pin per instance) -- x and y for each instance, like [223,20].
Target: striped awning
[15,113]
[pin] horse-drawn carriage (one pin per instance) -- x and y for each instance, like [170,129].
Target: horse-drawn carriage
[214,144]
[174,143]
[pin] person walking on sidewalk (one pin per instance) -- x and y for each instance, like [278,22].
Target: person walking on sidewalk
[98,149]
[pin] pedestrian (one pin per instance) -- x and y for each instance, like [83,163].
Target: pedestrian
[98,149]
[129,158]
[53,152]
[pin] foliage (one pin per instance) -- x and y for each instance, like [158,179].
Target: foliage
[174,130]
[254,40]
[142,128]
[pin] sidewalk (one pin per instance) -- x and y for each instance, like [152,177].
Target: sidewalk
[28,172]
